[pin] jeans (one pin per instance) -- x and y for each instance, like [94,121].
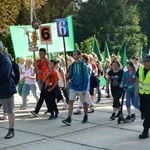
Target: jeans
[26,89]
[98,92]
[130,97]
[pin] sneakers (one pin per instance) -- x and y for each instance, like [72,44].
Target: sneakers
[4,117]
[133,116]
[143,135]
[51,117]
[112,117]
[91,110]
[128,118]
[56,115]
[64,107]
[23,107]
[77,112]
[46,112]
[85,119]
[67,121]
[77,98]
[97,102]
[108,96]
[34,113]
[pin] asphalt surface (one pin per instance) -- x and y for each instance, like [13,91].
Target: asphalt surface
[100,133]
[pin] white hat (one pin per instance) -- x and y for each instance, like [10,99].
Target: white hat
[1,46]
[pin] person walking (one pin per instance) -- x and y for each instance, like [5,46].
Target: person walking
[62,85]
[128,81]
[51,85]
[29,84]
[41,66]
[114,78]
[143,88]
[7,90]
[78,81]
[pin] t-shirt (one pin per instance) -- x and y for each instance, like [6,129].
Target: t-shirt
[42,65]
[21,70]
[115,77]
[30,72]
[53,78]
[60,81]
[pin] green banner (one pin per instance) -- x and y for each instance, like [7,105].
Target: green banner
[20,39]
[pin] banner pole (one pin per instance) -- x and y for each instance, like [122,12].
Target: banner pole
[65,54]
[47,50]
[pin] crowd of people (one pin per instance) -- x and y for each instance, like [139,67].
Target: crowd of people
[80,81]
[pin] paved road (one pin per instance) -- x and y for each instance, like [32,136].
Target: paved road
[98,134]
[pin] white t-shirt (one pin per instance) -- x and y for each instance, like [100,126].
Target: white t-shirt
[60,81]
[21,70]
[29,72]
[136,66]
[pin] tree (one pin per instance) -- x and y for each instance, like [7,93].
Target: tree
[88,20]
[144,10]
[9,12]
[113,21]
[55,9]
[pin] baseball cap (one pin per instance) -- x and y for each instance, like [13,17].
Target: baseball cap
[146,57]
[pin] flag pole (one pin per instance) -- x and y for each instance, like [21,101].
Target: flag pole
[31,19]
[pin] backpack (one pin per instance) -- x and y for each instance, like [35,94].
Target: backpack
[15,73]
[59,69]
[93,80]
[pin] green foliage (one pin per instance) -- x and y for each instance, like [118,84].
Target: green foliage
[86,45]
[8,43]
[113,21]
[109,20]
[9,12]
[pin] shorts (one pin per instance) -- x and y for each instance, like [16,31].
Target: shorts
[8,105]
[73,94]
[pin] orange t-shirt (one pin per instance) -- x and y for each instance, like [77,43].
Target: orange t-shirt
[53,78]
[42,65]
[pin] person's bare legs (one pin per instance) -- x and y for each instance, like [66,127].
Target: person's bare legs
[85,107]
[70,108]
[11,118]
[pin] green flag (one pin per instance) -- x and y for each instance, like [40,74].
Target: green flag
[140,52]
[122,54]
[52,56]
[106,52]
[96,49]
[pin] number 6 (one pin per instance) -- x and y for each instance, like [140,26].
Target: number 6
[62,29]
[45,33]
